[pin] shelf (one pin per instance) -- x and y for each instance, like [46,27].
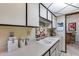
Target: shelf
[44,22]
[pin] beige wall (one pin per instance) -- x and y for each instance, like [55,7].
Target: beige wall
[62,33]
[19,32]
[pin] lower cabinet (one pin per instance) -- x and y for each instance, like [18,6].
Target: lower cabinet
[57,51]
[54,53]
[54,50]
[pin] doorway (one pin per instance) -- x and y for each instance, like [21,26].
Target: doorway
[71,31]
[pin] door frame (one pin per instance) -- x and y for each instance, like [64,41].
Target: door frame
[65,33]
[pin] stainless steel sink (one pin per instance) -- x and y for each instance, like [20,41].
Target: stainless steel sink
[46,41]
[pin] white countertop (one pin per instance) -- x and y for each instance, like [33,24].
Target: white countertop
[33,49]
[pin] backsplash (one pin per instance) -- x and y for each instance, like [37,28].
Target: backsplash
[41,32]
[19,32]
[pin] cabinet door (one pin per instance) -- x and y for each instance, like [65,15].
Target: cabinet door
[57,50]
[52,49]
[54,22]
[43,12]
[32,14]
[13,14]
[49,16]
[54,53]
[59,47]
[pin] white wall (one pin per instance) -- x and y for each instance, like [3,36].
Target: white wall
[61,33]
[74,18]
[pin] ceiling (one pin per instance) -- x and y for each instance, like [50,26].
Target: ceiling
[62,8]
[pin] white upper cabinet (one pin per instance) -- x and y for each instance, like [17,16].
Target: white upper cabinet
[32,14]
[13,14]
[43,12]
[54,21]
[49,15]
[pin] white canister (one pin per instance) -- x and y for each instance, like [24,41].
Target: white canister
[12,44]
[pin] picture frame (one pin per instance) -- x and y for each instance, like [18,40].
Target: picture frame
[60,26]
[72,26]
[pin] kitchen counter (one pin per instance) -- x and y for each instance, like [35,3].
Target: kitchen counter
[35,48]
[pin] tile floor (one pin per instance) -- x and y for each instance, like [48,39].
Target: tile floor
[72,50]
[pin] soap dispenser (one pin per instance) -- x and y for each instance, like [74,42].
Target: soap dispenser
[12,42]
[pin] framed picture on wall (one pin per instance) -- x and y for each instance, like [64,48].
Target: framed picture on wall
[60,26]
[72,26]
